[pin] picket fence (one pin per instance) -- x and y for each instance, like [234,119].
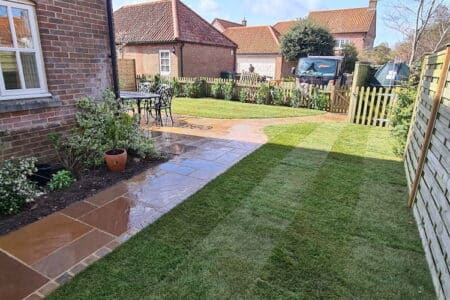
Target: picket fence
[371,106]
[338,98]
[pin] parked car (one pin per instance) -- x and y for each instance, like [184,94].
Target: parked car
[321,70]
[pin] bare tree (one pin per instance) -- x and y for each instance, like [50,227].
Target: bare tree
[412,18]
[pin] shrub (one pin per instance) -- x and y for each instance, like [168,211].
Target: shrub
[155,81]
[217,90]
[229,90]
[320,100]
[245,95]
[100,127]
[296,98]
[401,115]
[61,180]
[263,94]
[277,96]
[15,188]
[177,88]
[197,89]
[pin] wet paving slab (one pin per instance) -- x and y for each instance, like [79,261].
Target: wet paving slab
[40,257]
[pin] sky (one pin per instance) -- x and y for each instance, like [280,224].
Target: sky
[269,12]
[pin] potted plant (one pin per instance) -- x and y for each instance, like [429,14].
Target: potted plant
[116,157]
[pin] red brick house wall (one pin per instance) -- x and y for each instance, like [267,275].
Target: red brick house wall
[75,43]
[207,61]
[198,60]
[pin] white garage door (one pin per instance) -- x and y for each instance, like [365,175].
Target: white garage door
[263,65]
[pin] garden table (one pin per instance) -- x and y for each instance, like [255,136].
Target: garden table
[138,97]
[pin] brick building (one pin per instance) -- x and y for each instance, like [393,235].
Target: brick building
[353,25]
[166,37]
[259,46]
[52,53]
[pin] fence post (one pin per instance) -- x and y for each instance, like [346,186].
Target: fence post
[416,104]
[354,94]
[432,122]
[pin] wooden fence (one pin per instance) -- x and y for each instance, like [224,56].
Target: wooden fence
[371,106]
[427,163]
[339,99]
[127,74]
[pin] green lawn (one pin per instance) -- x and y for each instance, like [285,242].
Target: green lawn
[319,212]
[222,109]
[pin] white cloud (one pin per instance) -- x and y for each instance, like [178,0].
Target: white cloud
[283,9]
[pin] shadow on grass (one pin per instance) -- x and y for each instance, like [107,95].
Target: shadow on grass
[284,222]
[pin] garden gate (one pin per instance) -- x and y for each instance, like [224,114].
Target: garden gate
[371,106]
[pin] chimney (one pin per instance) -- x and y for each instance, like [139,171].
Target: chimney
[244,22]
[373,4]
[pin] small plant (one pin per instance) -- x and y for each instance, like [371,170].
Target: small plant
[296,98]
[245,95]
[16,189]
[177,87]
[217,90]
[277,95]
[263,95]
[61,180]
[229,90]
[197,89]
[320,101]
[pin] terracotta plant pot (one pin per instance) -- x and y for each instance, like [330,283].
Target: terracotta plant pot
[116,159]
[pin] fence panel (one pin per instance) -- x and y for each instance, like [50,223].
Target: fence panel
[127,74]
[371,106]
[339,99]
[427,165]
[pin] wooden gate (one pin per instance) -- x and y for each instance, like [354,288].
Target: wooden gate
[127,74]
[371,106]
[340,100]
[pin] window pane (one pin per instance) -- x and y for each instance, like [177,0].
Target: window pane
[23,28]
[5,30]
[10,71]
[30,71]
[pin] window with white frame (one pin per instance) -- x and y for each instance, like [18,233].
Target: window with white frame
[164,62]
[340,43]
[21,64]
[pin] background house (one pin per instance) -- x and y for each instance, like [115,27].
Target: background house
[168,38]
[222,25]
[353,25]
[259,46]
[51,54]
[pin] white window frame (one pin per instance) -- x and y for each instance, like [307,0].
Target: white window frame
[161,72]
[24,93]
[342,42]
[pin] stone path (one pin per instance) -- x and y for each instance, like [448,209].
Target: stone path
[38,258]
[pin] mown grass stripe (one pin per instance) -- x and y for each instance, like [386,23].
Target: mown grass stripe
[149,257]
[226,263]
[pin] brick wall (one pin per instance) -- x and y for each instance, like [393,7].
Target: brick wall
[207,61]
[75,43]
[147,57]
[198,60]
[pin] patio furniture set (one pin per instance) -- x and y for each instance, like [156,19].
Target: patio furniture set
[149,102]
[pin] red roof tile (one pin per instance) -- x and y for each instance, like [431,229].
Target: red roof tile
[226,24]
[284,26]
[165,21]
[254,39]
[351,20]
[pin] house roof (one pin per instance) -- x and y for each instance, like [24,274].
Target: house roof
[165,21]
[226,24]
[255,39]
[353,20]
[284,26]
